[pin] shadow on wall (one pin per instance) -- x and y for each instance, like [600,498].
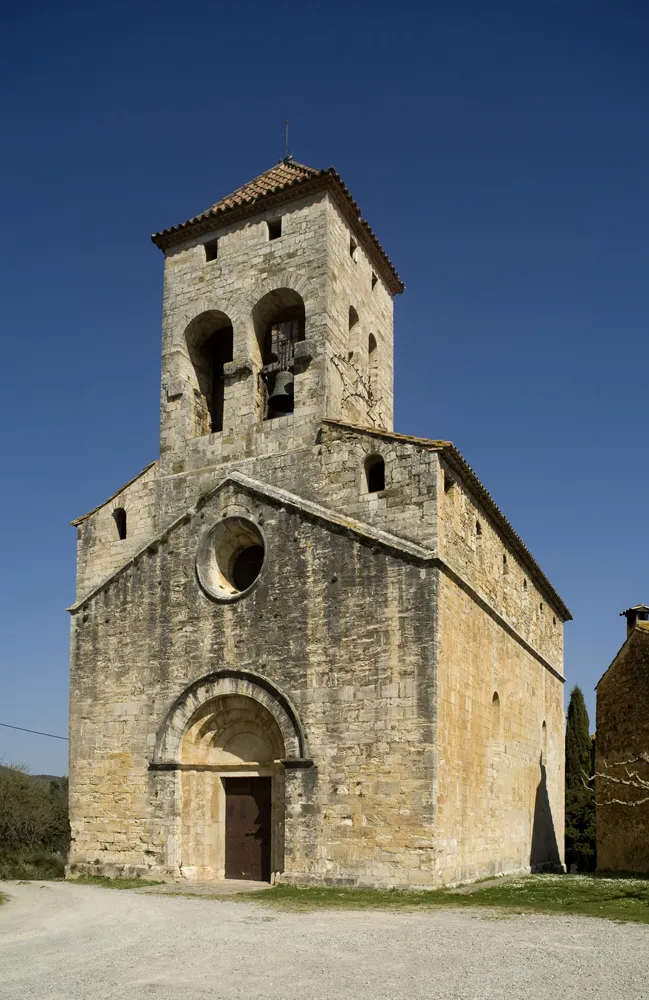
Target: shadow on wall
[544,853]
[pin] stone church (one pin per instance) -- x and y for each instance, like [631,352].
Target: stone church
[305,648]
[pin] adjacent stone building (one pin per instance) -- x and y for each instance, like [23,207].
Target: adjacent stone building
[305,647]
[622,752]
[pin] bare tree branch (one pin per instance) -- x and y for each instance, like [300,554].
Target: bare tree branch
[643,757]
[622,802]
[633,780]
[643,785]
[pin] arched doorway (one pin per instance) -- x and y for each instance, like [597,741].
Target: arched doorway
[234,751]
[232,791]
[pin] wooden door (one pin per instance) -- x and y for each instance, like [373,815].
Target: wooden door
[247,828]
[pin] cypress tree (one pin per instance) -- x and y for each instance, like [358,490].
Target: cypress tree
[580,800]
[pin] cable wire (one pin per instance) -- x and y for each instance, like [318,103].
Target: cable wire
[36,731]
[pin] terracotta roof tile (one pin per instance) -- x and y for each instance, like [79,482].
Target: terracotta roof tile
[282,183]
[276,179]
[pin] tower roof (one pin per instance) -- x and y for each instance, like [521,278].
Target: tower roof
[283,183]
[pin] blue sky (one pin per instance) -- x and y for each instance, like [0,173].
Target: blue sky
[500,153]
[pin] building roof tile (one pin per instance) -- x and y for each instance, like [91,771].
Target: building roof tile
[283,182]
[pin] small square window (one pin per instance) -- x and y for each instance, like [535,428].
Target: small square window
[353,247]
[211,249]
[374,280]
[274,228]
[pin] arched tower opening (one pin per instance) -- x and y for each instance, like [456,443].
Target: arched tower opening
[209,339]
[280,323]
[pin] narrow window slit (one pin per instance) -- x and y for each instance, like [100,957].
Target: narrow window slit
[375,474]
[211,250]
[119,516]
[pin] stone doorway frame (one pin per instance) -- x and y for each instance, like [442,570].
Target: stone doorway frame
[167,768]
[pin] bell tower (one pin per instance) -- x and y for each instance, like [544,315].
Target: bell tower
[277,313]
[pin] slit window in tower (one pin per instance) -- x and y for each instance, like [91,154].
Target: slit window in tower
[211,250]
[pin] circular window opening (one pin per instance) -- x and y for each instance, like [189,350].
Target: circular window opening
[230,558]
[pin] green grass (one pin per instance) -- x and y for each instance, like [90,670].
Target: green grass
[3,898]
[625,899]
[613,897]
[114,883]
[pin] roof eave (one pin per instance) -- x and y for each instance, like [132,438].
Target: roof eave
[327,180]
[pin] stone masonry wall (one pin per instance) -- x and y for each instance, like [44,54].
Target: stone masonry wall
[499,738]
[100,551]
[360,389]
[622,734]
[477,549]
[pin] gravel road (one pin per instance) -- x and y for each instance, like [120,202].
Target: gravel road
[70,942]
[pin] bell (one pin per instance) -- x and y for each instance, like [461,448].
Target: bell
[281,398]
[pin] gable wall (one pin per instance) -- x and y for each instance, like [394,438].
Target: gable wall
[100,552]
[345,630]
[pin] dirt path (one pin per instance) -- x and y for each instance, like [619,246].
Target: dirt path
[71,942]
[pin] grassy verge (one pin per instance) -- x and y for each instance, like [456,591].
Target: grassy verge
[625,899]
[114,883]
[32,865]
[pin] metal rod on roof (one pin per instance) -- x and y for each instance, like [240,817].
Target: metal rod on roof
[287,154]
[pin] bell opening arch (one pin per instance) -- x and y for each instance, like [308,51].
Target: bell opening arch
[209,342]
[279,321]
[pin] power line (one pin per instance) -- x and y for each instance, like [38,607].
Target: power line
[36,731]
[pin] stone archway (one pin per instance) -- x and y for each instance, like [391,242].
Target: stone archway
[228,730]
